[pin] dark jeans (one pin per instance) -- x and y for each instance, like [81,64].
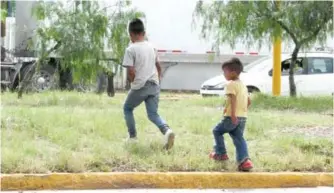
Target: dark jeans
[150,94]
[237,134]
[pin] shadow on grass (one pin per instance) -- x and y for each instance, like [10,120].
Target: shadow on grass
[144,150]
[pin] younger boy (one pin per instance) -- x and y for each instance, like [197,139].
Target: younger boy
[235,115]
[144,73]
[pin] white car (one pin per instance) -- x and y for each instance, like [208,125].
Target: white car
[313,76]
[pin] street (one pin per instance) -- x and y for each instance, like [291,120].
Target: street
[274,190]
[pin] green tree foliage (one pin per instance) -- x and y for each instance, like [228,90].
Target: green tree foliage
[259,22]
[77,32]
[3,18]
[5,13]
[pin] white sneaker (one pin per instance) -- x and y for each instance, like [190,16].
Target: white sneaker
[131,140]
[169,137]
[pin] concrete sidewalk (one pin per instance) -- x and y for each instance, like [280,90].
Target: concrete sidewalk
[281,190]
[163,180]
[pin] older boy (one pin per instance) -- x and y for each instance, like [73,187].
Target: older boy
[144,73]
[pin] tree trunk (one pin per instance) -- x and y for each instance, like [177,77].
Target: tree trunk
[65,78]
[101,83]
[127,85]
[26,80]
[3,29]
[292,84]
[111,88]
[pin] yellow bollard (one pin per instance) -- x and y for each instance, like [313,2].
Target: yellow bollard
[276,86]
[277,68]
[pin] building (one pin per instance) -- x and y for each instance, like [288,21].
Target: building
[186,71]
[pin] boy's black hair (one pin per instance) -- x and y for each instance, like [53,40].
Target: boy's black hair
[234,64]
[136,26]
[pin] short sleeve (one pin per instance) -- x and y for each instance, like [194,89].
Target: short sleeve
[230,88]
[129,58]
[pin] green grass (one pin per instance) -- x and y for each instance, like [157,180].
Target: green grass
[71,132]
[321,104]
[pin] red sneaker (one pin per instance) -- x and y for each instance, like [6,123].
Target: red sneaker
[218,157]
[246,165]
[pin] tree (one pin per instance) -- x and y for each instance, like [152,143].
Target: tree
[258,22]
[78,32]
[3,18]
[5,12]
[3,26]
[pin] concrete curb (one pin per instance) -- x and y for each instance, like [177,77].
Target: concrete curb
[172,180]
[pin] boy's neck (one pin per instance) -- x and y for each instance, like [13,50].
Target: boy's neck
[139,39]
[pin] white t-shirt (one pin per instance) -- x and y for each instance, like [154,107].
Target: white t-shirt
[142,56]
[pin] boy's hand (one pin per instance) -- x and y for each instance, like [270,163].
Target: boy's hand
[233,101]
[235,120]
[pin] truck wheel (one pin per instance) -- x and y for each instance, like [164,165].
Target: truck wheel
[44,79]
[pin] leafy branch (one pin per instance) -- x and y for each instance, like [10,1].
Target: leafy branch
[84,33]
[250,22]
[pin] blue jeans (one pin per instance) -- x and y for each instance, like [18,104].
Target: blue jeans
[150,94]
[237,134]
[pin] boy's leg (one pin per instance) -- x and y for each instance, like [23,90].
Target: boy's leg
[240,144]
[152,104]
[224,126]
[134,98]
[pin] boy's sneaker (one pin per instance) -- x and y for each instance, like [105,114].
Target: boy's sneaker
[246,166]
[169,137]
[131,140]
[218,157]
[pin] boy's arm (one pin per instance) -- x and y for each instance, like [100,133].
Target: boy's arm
[231,94]
[128,62]
[233,101]
[131,74]
[157,64]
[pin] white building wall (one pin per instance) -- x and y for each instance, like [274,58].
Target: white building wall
[184,76]
[188,76]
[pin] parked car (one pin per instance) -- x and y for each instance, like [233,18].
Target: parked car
[313,76]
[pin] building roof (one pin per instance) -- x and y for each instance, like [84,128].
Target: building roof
[205,58]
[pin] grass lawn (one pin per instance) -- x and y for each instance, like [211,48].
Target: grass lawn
[72,132]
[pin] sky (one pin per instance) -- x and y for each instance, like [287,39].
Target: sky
[169,27]
[169,24]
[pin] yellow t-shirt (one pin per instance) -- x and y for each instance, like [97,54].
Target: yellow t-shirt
[238,89]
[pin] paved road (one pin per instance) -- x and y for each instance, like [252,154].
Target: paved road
[281,190]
